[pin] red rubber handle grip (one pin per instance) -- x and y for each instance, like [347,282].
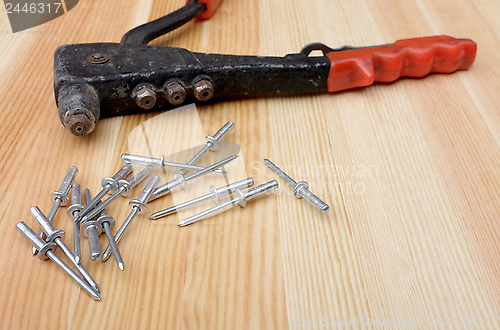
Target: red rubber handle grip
[212,6]
[405,58]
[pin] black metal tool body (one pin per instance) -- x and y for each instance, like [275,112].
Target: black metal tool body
[99,80]
[110,87]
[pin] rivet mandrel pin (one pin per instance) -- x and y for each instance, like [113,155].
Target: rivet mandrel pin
[125,189]
[92,229]
[241,198]
[180,180]
[109,184]
[108,222]
[215,194]
[47,251]
[300,189]
[212,144]
[213,141]
[73,210]
[56,236]
[161,162]
[138,205]
[60,197]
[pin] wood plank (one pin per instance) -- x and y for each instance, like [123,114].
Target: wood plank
[411,171]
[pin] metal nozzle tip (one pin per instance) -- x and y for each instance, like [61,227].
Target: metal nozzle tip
[34,251]
[121,266]
[96,296]
[181,224]
[325,208]
[77,259]
[95,256]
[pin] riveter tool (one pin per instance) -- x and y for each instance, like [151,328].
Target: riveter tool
[99,80]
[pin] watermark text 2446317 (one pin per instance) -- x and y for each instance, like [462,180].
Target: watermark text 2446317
[33,7]
[25,14]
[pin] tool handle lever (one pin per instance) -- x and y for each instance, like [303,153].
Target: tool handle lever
[211,8]
[405,58]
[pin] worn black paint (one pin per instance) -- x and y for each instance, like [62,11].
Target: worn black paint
[231,75]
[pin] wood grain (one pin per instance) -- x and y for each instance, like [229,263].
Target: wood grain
[411,171]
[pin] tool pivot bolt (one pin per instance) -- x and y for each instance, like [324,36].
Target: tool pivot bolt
[203,90]
[98,58]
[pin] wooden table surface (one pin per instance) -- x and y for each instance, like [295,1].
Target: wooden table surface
[411,171]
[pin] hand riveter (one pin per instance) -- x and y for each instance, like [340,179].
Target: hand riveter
[99,80]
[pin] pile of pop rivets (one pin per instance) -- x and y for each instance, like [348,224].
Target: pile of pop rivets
[92,218]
